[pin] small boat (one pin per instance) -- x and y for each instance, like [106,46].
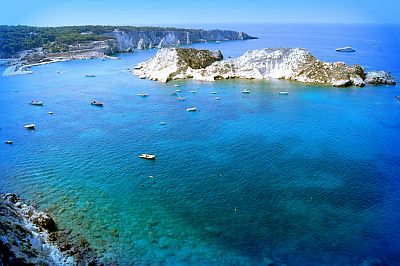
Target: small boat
[246,91]
[178,90]
[96,103]
[90,76]
[217,41]
[176,85]
[181,99]
[147,156]
[163,123]
[345,49]
[29,126]
[214,92]
[217,98]
[191,109]
[142,94]
[8,142]
[283,93]
[193,91]
[50,113]
[36,103]
[173,94]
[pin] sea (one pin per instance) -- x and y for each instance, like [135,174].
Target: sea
[308,178]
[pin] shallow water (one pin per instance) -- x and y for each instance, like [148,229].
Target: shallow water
[310,178]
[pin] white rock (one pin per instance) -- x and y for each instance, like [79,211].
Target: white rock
[282,63]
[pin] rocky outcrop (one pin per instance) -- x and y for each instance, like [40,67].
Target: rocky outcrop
[17,70]
[380,77]
[144,39]
[282,63]
[30,237]
[180,62]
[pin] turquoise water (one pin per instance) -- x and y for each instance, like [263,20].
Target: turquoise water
[311,178]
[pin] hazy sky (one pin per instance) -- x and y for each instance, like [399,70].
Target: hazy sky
[175,12]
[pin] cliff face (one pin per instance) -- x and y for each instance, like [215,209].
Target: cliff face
[284,63]
[30,237]
[166,38]
[177,62]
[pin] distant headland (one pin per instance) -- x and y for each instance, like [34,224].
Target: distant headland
[27,46]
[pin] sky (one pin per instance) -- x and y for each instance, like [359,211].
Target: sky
[181,12]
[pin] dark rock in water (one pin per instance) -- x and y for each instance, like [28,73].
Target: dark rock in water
[380,77]
[42,220]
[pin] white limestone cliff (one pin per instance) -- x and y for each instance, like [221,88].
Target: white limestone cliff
[281,63]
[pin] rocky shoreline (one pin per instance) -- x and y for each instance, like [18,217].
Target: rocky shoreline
[118,41]
[270,63]
[31,237]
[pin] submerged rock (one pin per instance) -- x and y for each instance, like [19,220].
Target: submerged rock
[281,63]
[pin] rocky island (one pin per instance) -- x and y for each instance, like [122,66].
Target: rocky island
[30,46]
[281,63]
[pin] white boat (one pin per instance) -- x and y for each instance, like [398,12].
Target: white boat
[163,123]
[29,126]
[181,99]
[147,156]
[178,90]
[36,103]
[217,41]
[193,91]
[345,49]
[245,91]
[8,142]
[142,94]
[50,113]
[96,103]
[217,98]
[191,109]
[176,85]
[283,93]
[214,92]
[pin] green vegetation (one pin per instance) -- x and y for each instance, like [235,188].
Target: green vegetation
[14,39]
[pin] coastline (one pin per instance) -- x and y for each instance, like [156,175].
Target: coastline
[30,236]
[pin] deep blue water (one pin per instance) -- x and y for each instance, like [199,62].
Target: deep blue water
[311,178]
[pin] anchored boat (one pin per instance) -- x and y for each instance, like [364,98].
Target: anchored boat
[147,156]
[29,126]
[36,103]
[8,142]
[142,94]
[345,49]
[283,93]
[246,91]
[96,103]
[191,109]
